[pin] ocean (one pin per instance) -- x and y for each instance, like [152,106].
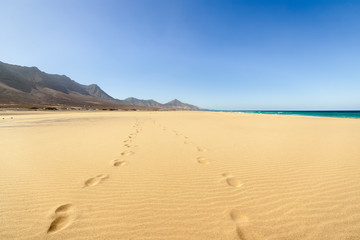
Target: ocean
[337,114]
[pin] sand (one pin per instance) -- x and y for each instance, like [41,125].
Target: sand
[178,175]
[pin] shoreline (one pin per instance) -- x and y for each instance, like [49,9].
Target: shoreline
[40,111]
[295,113]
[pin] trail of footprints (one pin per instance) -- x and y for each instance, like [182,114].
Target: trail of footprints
[64,215]
[241,221]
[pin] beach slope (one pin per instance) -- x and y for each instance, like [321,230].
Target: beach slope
[178,175]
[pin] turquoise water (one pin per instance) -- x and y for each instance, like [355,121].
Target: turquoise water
[341,114]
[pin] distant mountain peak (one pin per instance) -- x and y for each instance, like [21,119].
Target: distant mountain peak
[180,105]
[96,91]
[143,103]
[173,104]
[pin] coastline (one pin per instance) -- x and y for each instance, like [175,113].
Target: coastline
[314,113]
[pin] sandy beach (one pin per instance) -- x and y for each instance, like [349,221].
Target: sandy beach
[178,175]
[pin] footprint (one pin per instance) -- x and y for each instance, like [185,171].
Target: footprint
[202,160]
[63,218]
[241,221]
[234,182]
[244,230]
[200,149]
[64,208]
[119,163]
[187,142]
[239,218]
[129,145]
[59,223]
[127,153]
[95,180]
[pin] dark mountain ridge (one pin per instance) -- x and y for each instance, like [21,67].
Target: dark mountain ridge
[27,86]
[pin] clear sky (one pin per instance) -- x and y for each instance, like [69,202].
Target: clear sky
[270,54]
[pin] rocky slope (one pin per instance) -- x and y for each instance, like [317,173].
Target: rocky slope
[28,86]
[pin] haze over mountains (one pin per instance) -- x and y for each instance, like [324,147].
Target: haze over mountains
[28,86]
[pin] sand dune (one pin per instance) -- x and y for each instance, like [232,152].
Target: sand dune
[178,175]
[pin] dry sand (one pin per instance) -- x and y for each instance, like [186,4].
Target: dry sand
[178,175]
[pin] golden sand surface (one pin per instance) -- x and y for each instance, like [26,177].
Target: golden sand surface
[178,175]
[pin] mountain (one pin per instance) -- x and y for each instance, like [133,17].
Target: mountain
[28,86]
[180,105]
[96,91]
[23,86]
[144,103]
[174,104]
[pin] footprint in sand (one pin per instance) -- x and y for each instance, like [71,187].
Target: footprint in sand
[64,216]
[119,163]
[177,133]
[127,153]
[64,208]
[239,218]
[202,160]
[232,181]
[129,145]
[201,149]
[187,142]
[241,221]
[244,230]
[95,180]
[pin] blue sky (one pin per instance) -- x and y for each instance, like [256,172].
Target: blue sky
[222,54]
